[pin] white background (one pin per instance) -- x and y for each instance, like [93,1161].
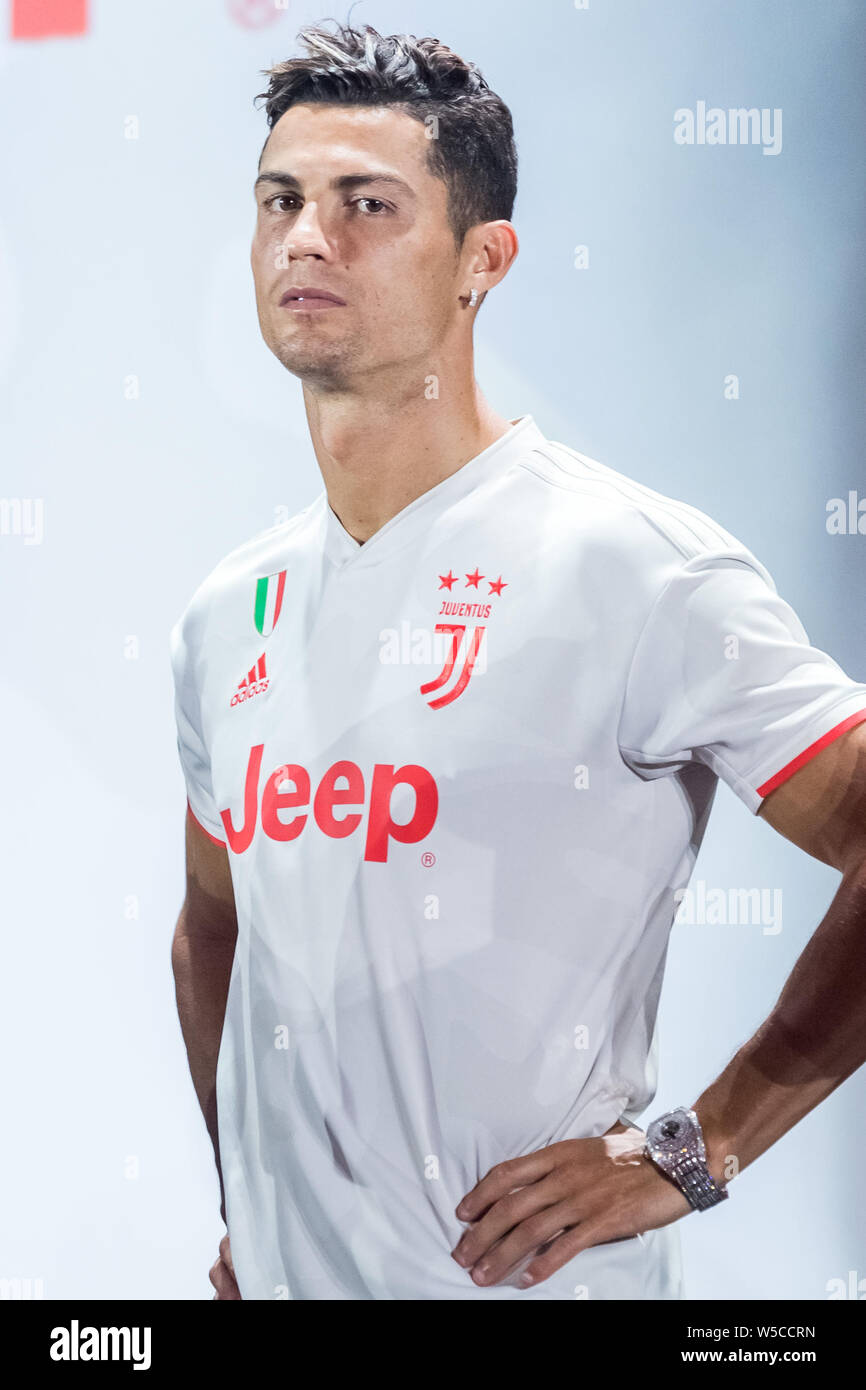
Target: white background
[126,258]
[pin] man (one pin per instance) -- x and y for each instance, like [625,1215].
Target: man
[451,737]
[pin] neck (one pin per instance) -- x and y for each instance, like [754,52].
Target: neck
[377,455]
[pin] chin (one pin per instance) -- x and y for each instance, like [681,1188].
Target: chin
[315,364]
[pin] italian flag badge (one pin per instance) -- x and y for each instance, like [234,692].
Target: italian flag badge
[269,601]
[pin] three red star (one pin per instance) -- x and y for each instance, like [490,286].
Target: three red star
[472,581]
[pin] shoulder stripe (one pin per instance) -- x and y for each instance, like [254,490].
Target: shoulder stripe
[683,525]
[630,486]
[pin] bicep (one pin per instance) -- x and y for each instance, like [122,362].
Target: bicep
[822,806]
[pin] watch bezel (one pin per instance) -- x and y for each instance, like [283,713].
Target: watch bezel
[668,1152]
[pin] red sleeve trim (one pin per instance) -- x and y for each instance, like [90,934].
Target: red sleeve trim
[806,756]
[222,842]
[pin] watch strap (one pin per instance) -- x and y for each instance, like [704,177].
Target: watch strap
[693,1178]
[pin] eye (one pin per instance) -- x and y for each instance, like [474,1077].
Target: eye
[376,206]
[379,201]
[278,198]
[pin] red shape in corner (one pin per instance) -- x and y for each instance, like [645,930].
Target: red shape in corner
[48,19]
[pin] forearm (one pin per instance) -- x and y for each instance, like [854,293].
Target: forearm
[202,969]
[812,1041]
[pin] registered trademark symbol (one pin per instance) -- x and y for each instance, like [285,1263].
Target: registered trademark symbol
[428,858]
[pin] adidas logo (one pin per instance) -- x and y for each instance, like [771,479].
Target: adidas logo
[253,683]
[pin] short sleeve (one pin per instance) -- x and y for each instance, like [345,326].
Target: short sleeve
[194,758]
[723,673]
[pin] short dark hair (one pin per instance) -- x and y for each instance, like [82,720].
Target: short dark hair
[473,150]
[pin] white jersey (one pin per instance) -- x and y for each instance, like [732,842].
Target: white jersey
[463,771]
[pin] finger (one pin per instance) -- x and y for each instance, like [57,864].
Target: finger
[224,1282]
[226,1253]
[501,1218]
[561,1250]
[215,1274]
[527,1239]
[503,1178]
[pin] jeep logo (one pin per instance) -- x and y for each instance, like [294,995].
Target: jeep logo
[381,829]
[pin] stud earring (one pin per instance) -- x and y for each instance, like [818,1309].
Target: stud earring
[473,298]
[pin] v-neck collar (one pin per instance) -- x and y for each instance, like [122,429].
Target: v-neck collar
[340,547]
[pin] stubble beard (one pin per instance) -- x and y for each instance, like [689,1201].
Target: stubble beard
[324,365]
[316,360]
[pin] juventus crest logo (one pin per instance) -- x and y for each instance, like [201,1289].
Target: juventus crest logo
[457,631]
[469,608]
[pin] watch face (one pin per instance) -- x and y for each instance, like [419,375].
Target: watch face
[672,1133]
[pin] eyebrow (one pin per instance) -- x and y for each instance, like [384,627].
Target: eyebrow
[340,184]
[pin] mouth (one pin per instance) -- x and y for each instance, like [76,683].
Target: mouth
[309,297]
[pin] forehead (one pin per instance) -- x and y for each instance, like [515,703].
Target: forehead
[318,136]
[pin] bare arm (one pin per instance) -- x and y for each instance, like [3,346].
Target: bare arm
[815,1036]
[201,956]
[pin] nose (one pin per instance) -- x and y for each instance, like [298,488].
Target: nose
[307,236]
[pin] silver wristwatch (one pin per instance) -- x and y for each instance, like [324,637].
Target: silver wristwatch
[676,1146]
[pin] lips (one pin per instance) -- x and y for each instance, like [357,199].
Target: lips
[309,292]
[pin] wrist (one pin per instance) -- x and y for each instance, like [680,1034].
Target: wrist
[717,1144]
